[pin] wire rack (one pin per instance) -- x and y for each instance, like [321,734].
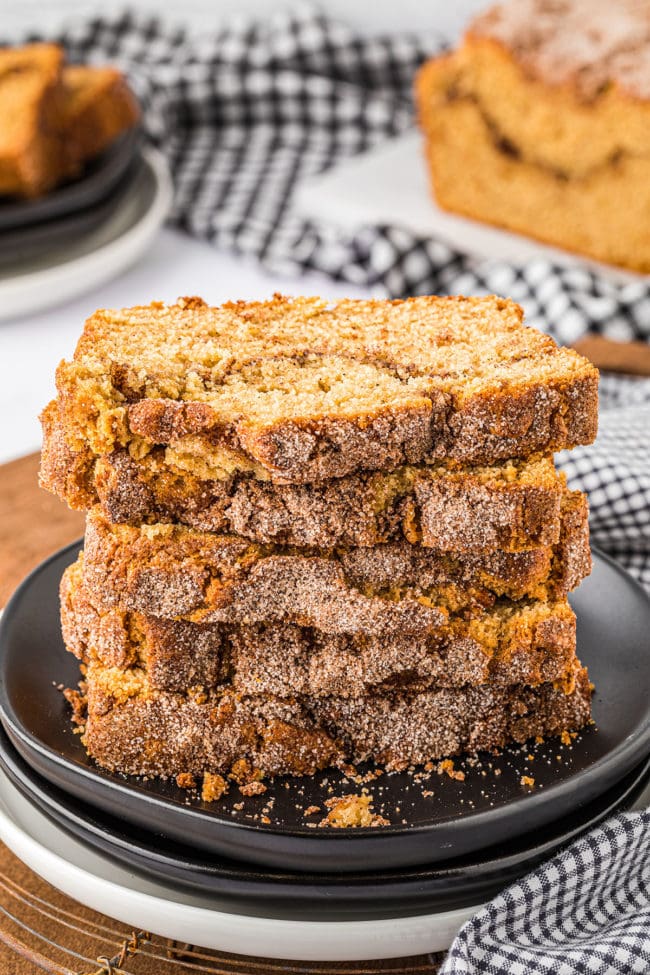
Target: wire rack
[55,934]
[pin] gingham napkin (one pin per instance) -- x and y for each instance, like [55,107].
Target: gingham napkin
[585,912]
[243,116]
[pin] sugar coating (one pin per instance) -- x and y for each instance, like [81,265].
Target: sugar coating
[584,42]
[527,642]
[132,728]
[512,505]
[319,533]
[174,572]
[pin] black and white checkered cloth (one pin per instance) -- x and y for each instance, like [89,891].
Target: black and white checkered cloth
[585,912]
[243,115]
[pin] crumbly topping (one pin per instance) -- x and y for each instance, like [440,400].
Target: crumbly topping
[252,789]
[185,780]
[447,768]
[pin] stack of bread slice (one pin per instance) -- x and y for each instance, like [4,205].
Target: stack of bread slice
[320,533]
[55,117]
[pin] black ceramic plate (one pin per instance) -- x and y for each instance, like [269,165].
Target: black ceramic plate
[457,819]
[98,180]
[248,889]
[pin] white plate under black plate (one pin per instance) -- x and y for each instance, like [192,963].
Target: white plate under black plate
[243,887]
[97,181]
[85,260]
[459,818]
[195,918]
[36,240]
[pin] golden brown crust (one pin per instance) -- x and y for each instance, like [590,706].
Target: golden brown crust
[31,107]
[99,106]
[306,391]
[139,731]
[175,572]
[55,117]
[527,643]
[64,471]
[244,653]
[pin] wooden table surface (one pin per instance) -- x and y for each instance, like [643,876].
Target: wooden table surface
[33,525]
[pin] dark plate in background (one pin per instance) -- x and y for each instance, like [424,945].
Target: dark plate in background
[98,180]
[460,818]
[245,888]
[34,239]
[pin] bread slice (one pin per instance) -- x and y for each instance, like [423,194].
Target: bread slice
[513,505]
[132,728]
[302,390]
[56,117]
[176,572]
[546,112]
[31,109]
[527,643]
[98,107]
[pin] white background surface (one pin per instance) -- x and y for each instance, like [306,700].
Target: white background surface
[371,16]
[31,347]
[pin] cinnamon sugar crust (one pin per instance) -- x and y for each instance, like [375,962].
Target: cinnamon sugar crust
[55,117]
[588,44]
[511,506]
[319,533]
[175,572]
[305,391]
[528,643]
[134,729]
[99,107]
[31,149]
